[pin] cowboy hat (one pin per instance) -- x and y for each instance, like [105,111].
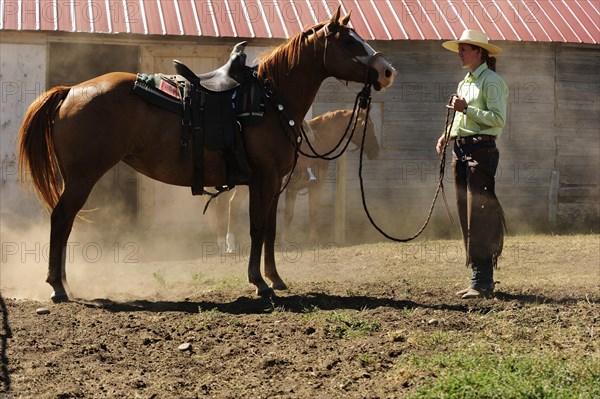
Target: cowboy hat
[476,38]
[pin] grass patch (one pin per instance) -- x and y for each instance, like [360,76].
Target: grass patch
[345,325]
[477,376]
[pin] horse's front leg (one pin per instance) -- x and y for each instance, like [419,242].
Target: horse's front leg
[260,204]
[271,230]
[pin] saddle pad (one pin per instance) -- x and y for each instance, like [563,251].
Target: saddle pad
[159,90]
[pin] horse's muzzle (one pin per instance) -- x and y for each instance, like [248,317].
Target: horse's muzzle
[381,73]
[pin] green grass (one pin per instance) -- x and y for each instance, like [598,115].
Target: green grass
[474,375]
[344,324]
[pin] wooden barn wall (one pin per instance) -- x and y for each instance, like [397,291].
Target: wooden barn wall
[550,150]
[577,123]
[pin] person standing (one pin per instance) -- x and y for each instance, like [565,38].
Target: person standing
[480,105]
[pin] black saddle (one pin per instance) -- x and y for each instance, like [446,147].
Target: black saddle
[216,107]
[225,78]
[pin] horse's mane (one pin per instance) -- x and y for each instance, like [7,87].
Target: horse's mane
[275,66]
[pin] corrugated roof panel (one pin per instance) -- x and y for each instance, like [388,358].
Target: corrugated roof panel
[591,17]
[115,15]
[392,20]
[574,21]
[189,18]
[81,18]
[9,14]
[290,17]
[358,19]
[509,22]
[453,16]
[134,14]
[29,15]
[482,18]
[261,19]
[437,14]
[525,14]
[567,11]
[64,17]
[171,16]
[218,12]
[206,18]
[321,9]
[375,21]
[47,15]
[279,27]
[240,18]
[305,13]
[562,26]
[426,25]
[97,11]
[535,15]
[155,23]
[406,19]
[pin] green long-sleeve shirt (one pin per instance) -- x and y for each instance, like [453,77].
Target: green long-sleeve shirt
[487,96]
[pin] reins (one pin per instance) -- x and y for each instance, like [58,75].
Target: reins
[440,187]
[360,102]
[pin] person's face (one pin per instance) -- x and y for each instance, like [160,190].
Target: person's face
[470,56]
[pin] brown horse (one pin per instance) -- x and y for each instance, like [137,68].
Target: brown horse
[71,136]
[309,174]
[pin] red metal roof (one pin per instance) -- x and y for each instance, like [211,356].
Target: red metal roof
[575,21]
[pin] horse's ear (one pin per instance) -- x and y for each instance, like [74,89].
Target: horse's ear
[346,19]
[335,18]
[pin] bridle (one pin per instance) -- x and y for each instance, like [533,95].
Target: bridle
[329,34]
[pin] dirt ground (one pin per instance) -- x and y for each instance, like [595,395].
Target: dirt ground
[350,325]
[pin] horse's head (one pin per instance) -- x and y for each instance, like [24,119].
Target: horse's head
[348,57]
[371,143]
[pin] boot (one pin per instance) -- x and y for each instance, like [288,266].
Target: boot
[480,292]
[482,281]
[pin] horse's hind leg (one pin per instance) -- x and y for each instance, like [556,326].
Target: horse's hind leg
[70,202]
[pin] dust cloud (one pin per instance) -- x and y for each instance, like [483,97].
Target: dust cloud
[112,255]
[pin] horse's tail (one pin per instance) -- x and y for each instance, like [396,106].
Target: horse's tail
[36,146]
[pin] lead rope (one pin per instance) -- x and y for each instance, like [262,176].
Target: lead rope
[360,102]
[440,187]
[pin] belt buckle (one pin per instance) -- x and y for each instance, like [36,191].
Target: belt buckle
[476,139]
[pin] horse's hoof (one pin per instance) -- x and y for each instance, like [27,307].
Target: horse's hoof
[279,286]
[266,293]
[59,298]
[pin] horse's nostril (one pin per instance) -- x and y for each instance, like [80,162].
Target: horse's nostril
[388,73]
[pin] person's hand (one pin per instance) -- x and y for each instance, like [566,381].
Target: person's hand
[439,148]
[459,104]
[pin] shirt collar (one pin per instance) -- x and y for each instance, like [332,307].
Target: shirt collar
[471,76]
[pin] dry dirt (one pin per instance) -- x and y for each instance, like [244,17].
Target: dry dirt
[351,320]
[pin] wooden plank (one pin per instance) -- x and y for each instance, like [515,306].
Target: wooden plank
[579,213]
[588,192]
[578,146]
[579,175]
[553,196]
[587,157]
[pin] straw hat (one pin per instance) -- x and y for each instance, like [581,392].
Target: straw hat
[476,38]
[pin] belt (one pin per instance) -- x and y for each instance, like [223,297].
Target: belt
[461,141]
